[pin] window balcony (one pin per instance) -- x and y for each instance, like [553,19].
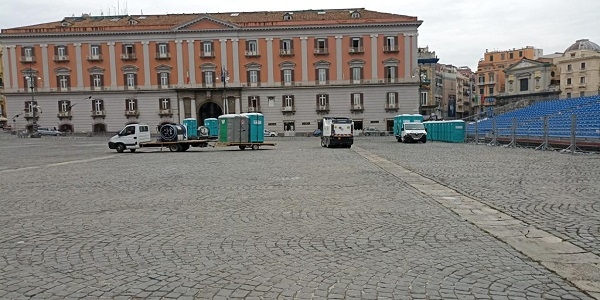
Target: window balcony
[97,57]
[61,58]
[390,49]
[356,50]
[207,54]
[160,55]
[27,59]
[357,108]
[165,112]
[321,51]
[128,56]
[286,52]
[391,107]
[323,108]
[65,115]
[29,115]
[254,53]
[132,113]
[288,109]
[99,113]
[254,109]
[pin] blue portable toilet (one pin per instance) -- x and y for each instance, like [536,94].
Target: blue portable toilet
[213,127]
[256,127]
[191,127]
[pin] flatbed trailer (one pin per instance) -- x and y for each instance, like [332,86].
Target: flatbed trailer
[243,145]
[177,146]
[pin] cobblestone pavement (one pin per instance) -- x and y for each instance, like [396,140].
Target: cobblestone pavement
[557,192]
[297,221]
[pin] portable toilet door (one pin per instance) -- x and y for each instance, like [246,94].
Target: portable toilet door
[213,126]
[225,128]
[191,127]
[256,127]
[458,130]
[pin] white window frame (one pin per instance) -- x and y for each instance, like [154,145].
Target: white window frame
[287,76]
[253,76]
[95,50]
[63,81]
[391,99]
[321,44]
[164,78]
[581,79]
[97,80]
[131,104]
[390,42]
[207,48]
[356,99]
[98,105]
[165,103]
[64,105]
[424,97]
[289,101]
[162,49]
[208,78]
[286,45]
[322,75]
[61,51]
[254,102]
[391,72]
[28,52]
[252,46]
[130,80]
[323,100]
[356,43]
[356,74]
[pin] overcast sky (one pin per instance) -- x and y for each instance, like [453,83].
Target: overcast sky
[458,30]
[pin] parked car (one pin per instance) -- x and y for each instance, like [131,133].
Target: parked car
[48,131]
[270,133]
[372,131]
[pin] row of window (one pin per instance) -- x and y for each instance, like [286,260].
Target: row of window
[503,55]
[253,76]
[322,101]
[286,47]
[581,80]
[581,67]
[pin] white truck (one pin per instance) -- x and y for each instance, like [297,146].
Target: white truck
[410,128]
[136,136]
[337,132]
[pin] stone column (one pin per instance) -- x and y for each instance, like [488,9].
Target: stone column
[193,108]
[236,62]
[304,50]
[338,57]
[181,110]
[223,52]
[192,64]
[146,52]
[113,64]
[7,73]
[238,108]
[407,57]
[45,71]
[374,64]
[180,71]
[270,75]
[13,66]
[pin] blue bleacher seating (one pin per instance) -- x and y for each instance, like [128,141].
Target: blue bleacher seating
[559,112]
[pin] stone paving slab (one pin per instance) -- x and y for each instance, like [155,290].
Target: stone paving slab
[297,221]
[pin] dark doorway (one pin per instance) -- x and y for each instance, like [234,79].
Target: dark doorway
[208,110]
[99,128]
[389,126]
[68,128]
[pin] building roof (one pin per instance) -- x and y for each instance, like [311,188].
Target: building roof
[225,20]
[583,44]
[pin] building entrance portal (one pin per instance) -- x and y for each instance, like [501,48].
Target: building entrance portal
[208,110]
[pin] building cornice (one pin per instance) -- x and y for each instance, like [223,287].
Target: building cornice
[223,30]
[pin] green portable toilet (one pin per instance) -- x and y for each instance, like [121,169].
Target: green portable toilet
[458,131]
[213,126]
[256,127]
[191,127]
[233,128]
[429,131]
[445,131]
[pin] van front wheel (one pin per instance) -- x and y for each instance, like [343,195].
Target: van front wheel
[120,148]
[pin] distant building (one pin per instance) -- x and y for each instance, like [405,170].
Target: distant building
[529,79]
[430,83]
[465,88]
[490,76]
[579,68]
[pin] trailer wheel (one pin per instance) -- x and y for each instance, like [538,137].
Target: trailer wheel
[322,142]
[242,147]
[132,150]
[185,148]
[255,147]
[120,148]
[174,148]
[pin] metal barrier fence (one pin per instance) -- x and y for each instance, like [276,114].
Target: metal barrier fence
[547,133]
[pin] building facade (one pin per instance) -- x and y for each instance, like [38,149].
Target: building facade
[430,91]
[529,79]
[465,88]
[579,68]
[3,115]
[97,73]
[490,77]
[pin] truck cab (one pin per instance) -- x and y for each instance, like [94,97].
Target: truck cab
[131,137]
[410,128]
[337,132]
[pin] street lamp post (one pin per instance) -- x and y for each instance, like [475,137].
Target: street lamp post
[224,78]
[30,80]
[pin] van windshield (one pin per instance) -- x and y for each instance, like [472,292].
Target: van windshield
[414,126]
